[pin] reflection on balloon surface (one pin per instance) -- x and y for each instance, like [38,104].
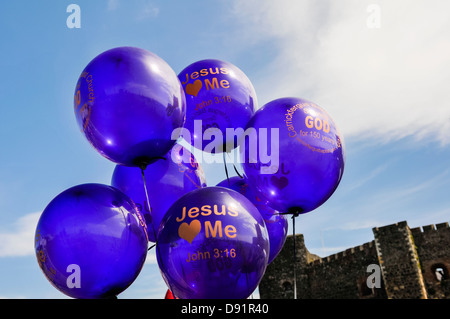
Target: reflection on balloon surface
[127,103]
[310,156]
[212,243]
[91,242]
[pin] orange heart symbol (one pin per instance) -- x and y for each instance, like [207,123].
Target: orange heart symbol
[189,231]
[193,88]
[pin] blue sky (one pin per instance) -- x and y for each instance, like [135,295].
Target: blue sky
[380,68]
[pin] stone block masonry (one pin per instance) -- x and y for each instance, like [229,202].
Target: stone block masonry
[414,264]
[399,262]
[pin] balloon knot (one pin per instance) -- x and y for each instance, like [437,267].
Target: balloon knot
[295,211]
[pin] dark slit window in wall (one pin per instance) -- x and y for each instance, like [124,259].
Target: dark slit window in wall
[287,286]
[440,272]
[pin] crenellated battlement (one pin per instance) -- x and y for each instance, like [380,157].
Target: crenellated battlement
[346,254]
[428,228]
[407,259]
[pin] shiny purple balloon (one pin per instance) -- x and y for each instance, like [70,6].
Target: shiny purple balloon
[212,244]
[218,96]
[91,242]
[306,159]
[127,102]
[277,224]
[167,179]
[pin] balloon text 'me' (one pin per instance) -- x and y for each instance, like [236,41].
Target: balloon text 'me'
[276,223]
[91,240]
[220,100]
[212,243]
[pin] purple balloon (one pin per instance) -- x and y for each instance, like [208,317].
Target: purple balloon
[167,179]
[218,96]
[307,159]
[127,102]
[91,242]
[212,244]
[277,224]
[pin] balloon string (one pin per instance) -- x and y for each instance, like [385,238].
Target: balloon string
[246,278]
[153,227]
[226,170]
[234,166]
[148,203]
[237,172]
[293,235]
[146,192]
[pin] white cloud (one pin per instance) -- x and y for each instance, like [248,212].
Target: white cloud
[385,83]
[407,192]
[113,5]
[363,180]
[145,9]
[148,11]
[151,256]
[19,239]
[440,215]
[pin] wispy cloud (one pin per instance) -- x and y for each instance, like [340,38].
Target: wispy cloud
[384,83]
[151,257]
[412,200]
[367,178]
[148,285]
[18,239]
[438,216]
[410,190]
[113,5]
[144,9]
[148,11]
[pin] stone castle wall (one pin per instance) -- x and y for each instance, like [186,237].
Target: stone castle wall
[407,260]
[433,250]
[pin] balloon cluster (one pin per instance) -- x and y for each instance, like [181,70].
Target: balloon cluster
[211,242]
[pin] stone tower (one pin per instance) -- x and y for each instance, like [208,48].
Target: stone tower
[406,263]
[399,262]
